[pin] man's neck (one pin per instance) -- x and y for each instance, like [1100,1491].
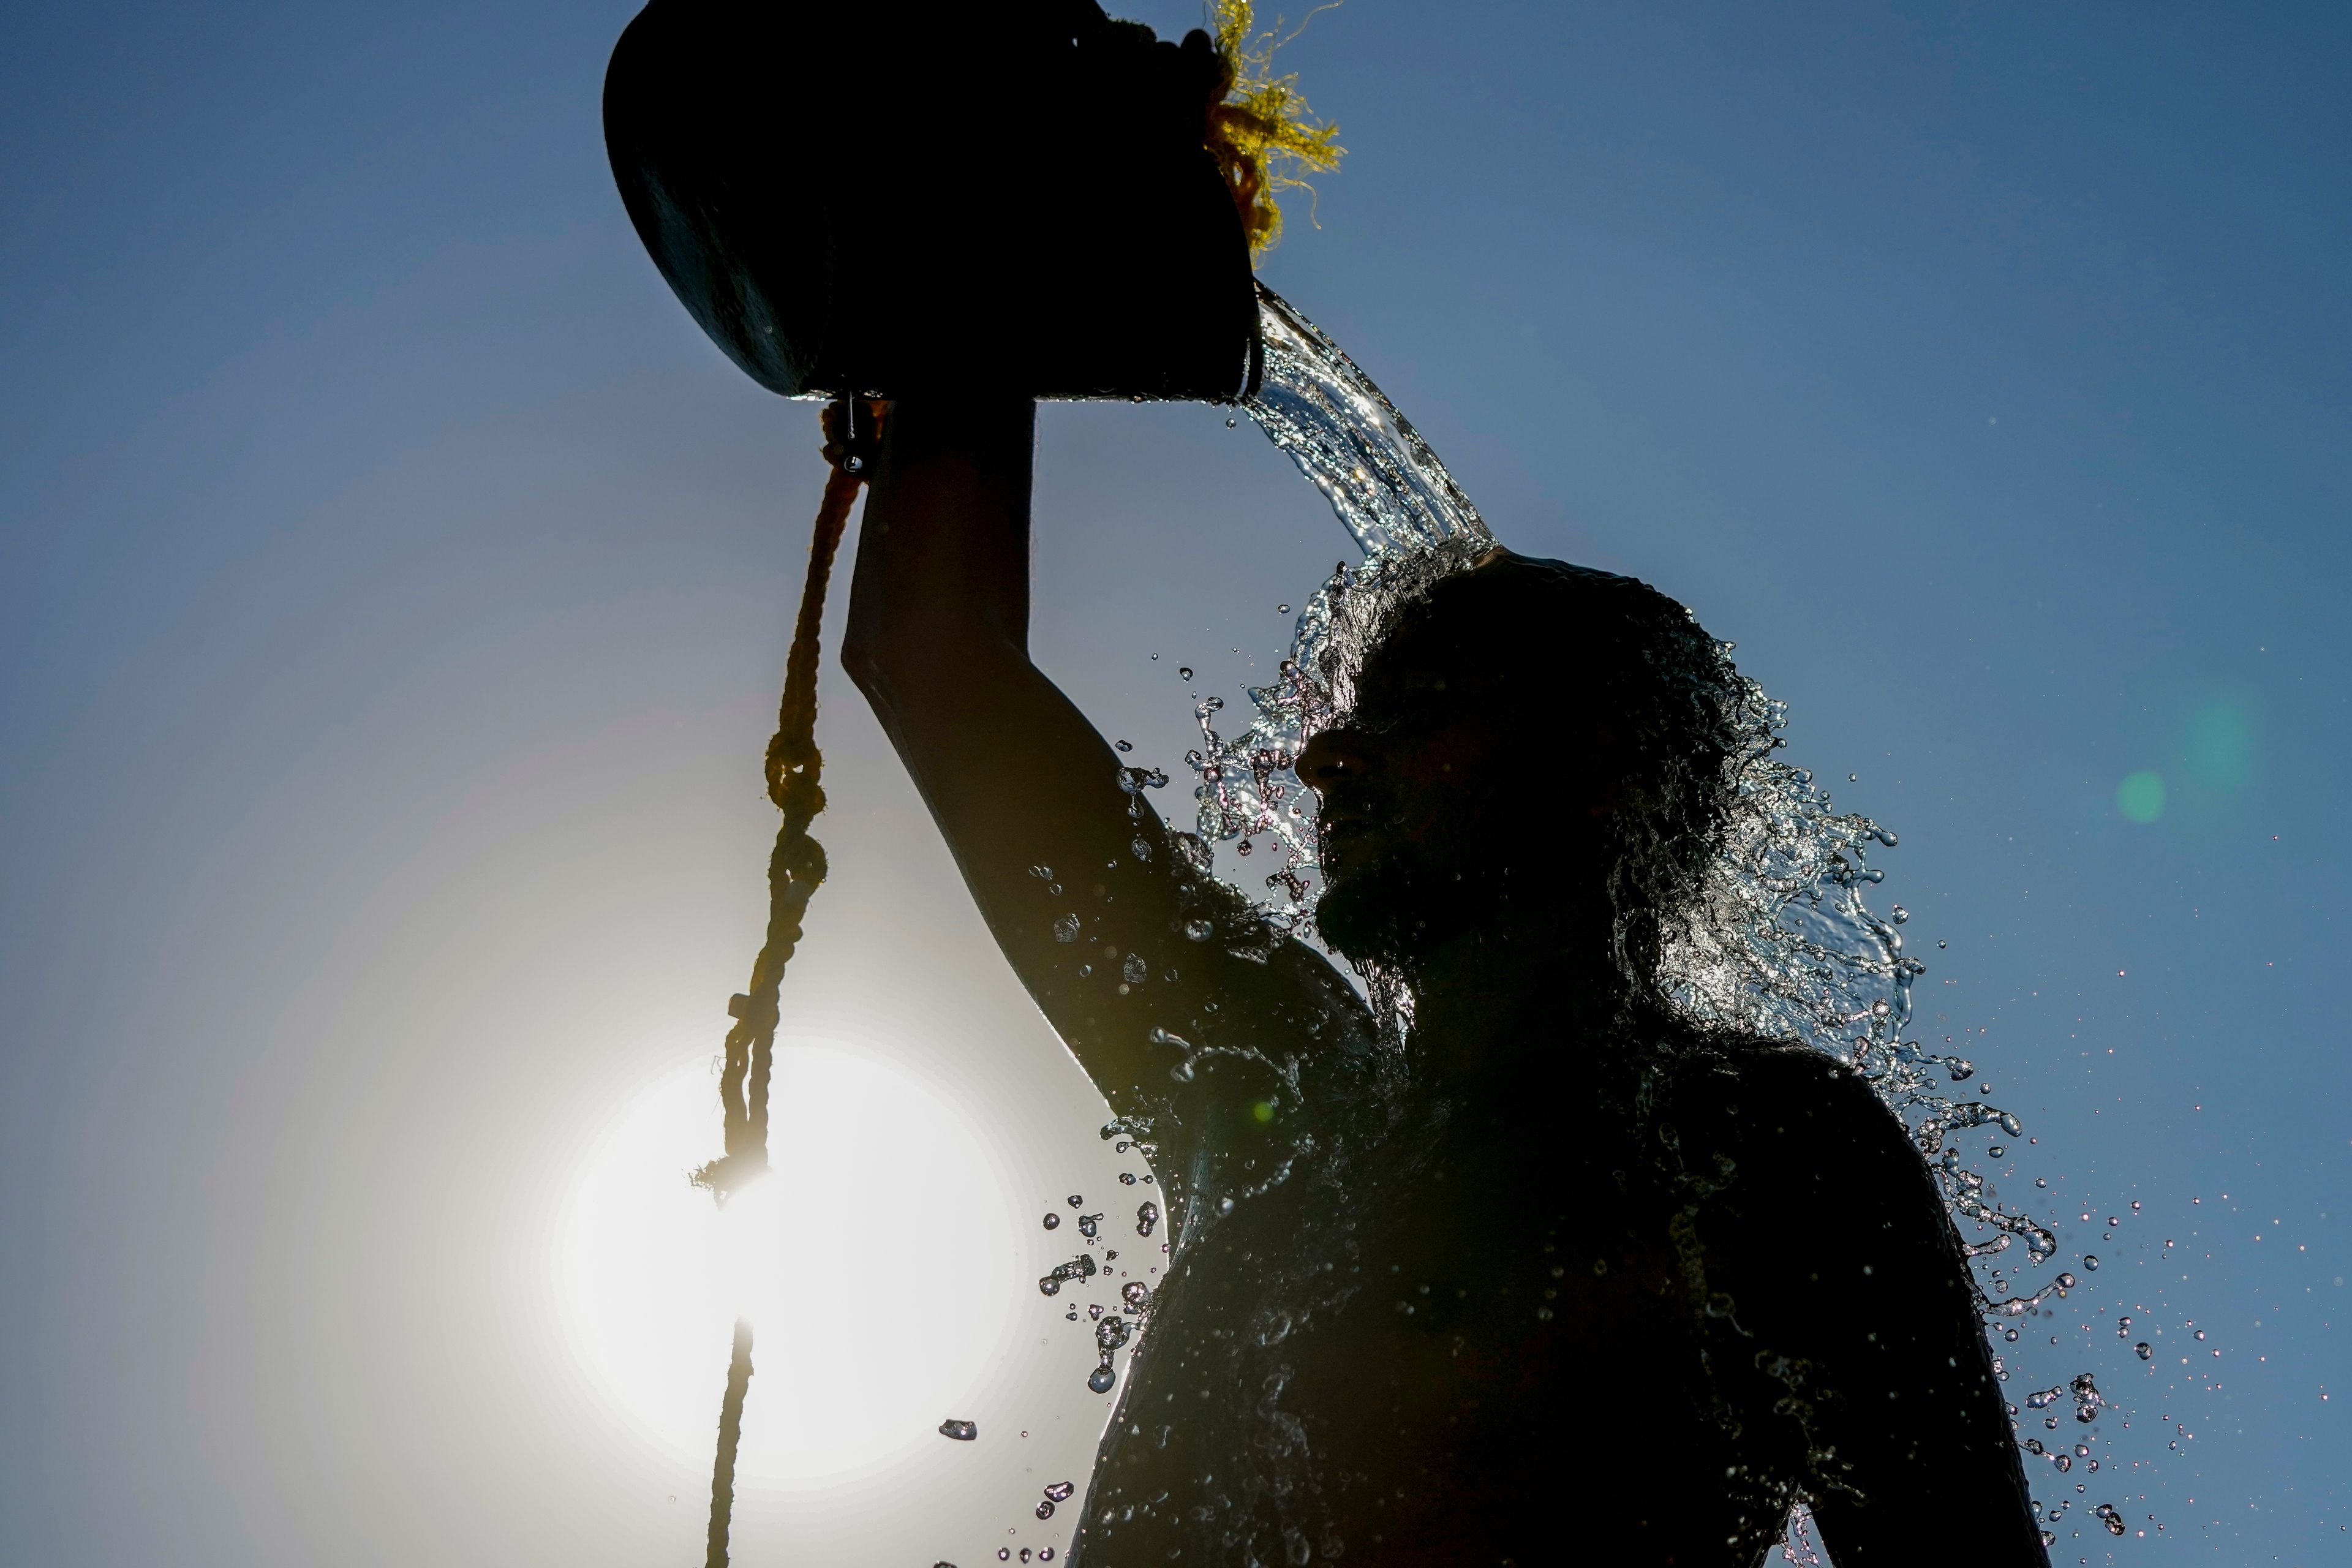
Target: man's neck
[1514,991]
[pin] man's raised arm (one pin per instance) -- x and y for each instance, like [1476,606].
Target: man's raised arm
[1126,946]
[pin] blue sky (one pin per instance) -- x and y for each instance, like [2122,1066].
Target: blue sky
[398,582]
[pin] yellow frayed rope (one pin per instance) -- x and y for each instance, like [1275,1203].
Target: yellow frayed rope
[1259,128]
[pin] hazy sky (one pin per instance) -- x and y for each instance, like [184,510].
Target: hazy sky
[397,586]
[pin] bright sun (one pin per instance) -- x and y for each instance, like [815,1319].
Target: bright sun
[878,1263]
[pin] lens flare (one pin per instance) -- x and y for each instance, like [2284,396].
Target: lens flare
[2140,798]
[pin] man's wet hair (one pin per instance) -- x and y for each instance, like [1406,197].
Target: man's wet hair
[1577,651]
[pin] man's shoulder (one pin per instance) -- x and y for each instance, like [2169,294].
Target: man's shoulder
[1780,1105]
[1745,1076]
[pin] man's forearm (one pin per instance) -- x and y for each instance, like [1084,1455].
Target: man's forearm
[943,558]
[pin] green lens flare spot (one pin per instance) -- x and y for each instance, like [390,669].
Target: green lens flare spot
[2140,798]
[2217,744]
[1263,1110]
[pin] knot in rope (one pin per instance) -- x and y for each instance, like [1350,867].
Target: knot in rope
[795,768]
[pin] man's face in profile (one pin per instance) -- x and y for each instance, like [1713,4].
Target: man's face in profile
[1401,782]
[1448,782]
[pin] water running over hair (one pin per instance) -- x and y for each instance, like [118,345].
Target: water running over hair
[1783,943]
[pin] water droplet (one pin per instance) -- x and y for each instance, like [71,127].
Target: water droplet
[1125,745]
[2089,1261]
[1231,421]
[1146,1217]
[1135,971]
[2200,1333]
[1044,1509]
[1066,928]
[2066,1281]
[1198,930]
[1045,1554]
[1042,873]
[1940,943]
[1059,1492]
[2142,1350]
[1899,914]
[2041,1180]
[1005,1555]
[962,1431]
[1050,1285]
[1127,1178]
[1183,672]
[1135,1293]
[1110,1333]
[1087,1222]
[1101,1379]
[1853,778]
[1052,1219]
[1996,1152]
[2063,1461]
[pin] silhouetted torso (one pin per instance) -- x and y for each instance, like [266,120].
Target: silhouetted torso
[1460,1329]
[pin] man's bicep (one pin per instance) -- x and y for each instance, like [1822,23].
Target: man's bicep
[1151,969]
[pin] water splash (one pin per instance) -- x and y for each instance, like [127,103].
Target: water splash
[1413,525]
[1111,1329]
[1783,944]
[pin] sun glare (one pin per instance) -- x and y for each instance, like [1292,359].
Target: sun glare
[878,1263]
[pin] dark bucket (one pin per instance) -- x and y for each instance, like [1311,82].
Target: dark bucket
[886,198]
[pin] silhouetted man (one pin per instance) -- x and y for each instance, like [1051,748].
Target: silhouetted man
[1575,1281]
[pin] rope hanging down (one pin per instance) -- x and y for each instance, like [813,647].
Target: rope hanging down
[795,867]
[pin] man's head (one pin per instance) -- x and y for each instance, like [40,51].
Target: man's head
[1532,746]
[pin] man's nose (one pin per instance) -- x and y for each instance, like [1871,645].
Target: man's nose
[1335,754]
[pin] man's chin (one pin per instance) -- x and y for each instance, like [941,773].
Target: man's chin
[1364,916]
